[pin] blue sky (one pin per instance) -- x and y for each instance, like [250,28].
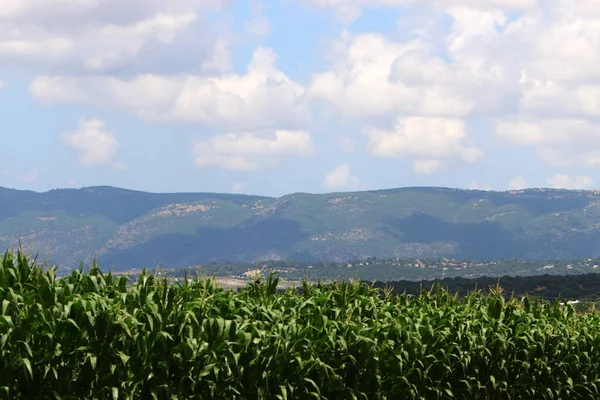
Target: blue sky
[299,95]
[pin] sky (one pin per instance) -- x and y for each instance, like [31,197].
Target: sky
[285,96]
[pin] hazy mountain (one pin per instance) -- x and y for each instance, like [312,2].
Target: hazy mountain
[132,229]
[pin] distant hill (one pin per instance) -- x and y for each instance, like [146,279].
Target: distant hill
[132,229]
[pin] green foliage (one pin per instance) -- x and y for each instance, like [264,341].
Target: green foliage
[551,287]
[94,335]
[453,273]
[131,229]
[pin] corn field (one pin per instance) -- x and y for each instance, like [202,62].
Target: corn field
[94,336]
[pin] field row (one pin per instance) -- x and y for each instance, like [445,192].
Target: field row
[91,335]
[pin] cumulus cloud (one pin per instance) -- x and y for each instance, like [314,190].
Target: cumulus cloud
[24,176]
[427,166]
[564,181]
[517,183]
[93,36]
[559,100]
[262,98]
[238,187]
[489,4]
[559,142]
[348,11]
[529,72]
[432,143]
[95,144]
[501,58]
[341,178]
[547,99]
[565,51]
[373,77]
[377,81]
[259,25]
[251,151]
[220,61]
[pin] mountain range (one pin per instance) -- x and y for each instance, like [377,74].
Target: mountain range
[127,229]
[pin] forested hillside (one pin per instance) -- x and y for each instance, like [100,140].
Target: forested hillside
[130,229]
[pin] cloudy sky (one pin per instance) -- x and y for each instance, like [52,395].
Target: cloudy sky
[280,96]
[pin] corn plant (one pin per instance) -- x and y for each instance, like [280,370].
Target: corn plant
[95,335]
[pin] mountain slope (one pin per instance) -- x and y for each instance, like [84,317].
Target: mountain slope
[132,229]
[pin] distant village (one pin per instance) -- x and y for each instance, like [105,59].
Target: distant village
[373,269]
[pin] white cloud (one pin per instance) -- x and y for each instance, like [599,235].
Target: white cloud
[559,142]
[263,98]
[348,11]
[548,99]
[341,178]
[517,183]
[238,187]
[96,145]
[144,93]
[373,77]
[259,25]
[124,43]
[90,35]
[535,72]
[453,68]
[220,61]
[2,85]
[93,10]
[566,49]
[489,4]
[24,176]
[251,151]
[564,181]
[426,166]
[432,142]
[521,133]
